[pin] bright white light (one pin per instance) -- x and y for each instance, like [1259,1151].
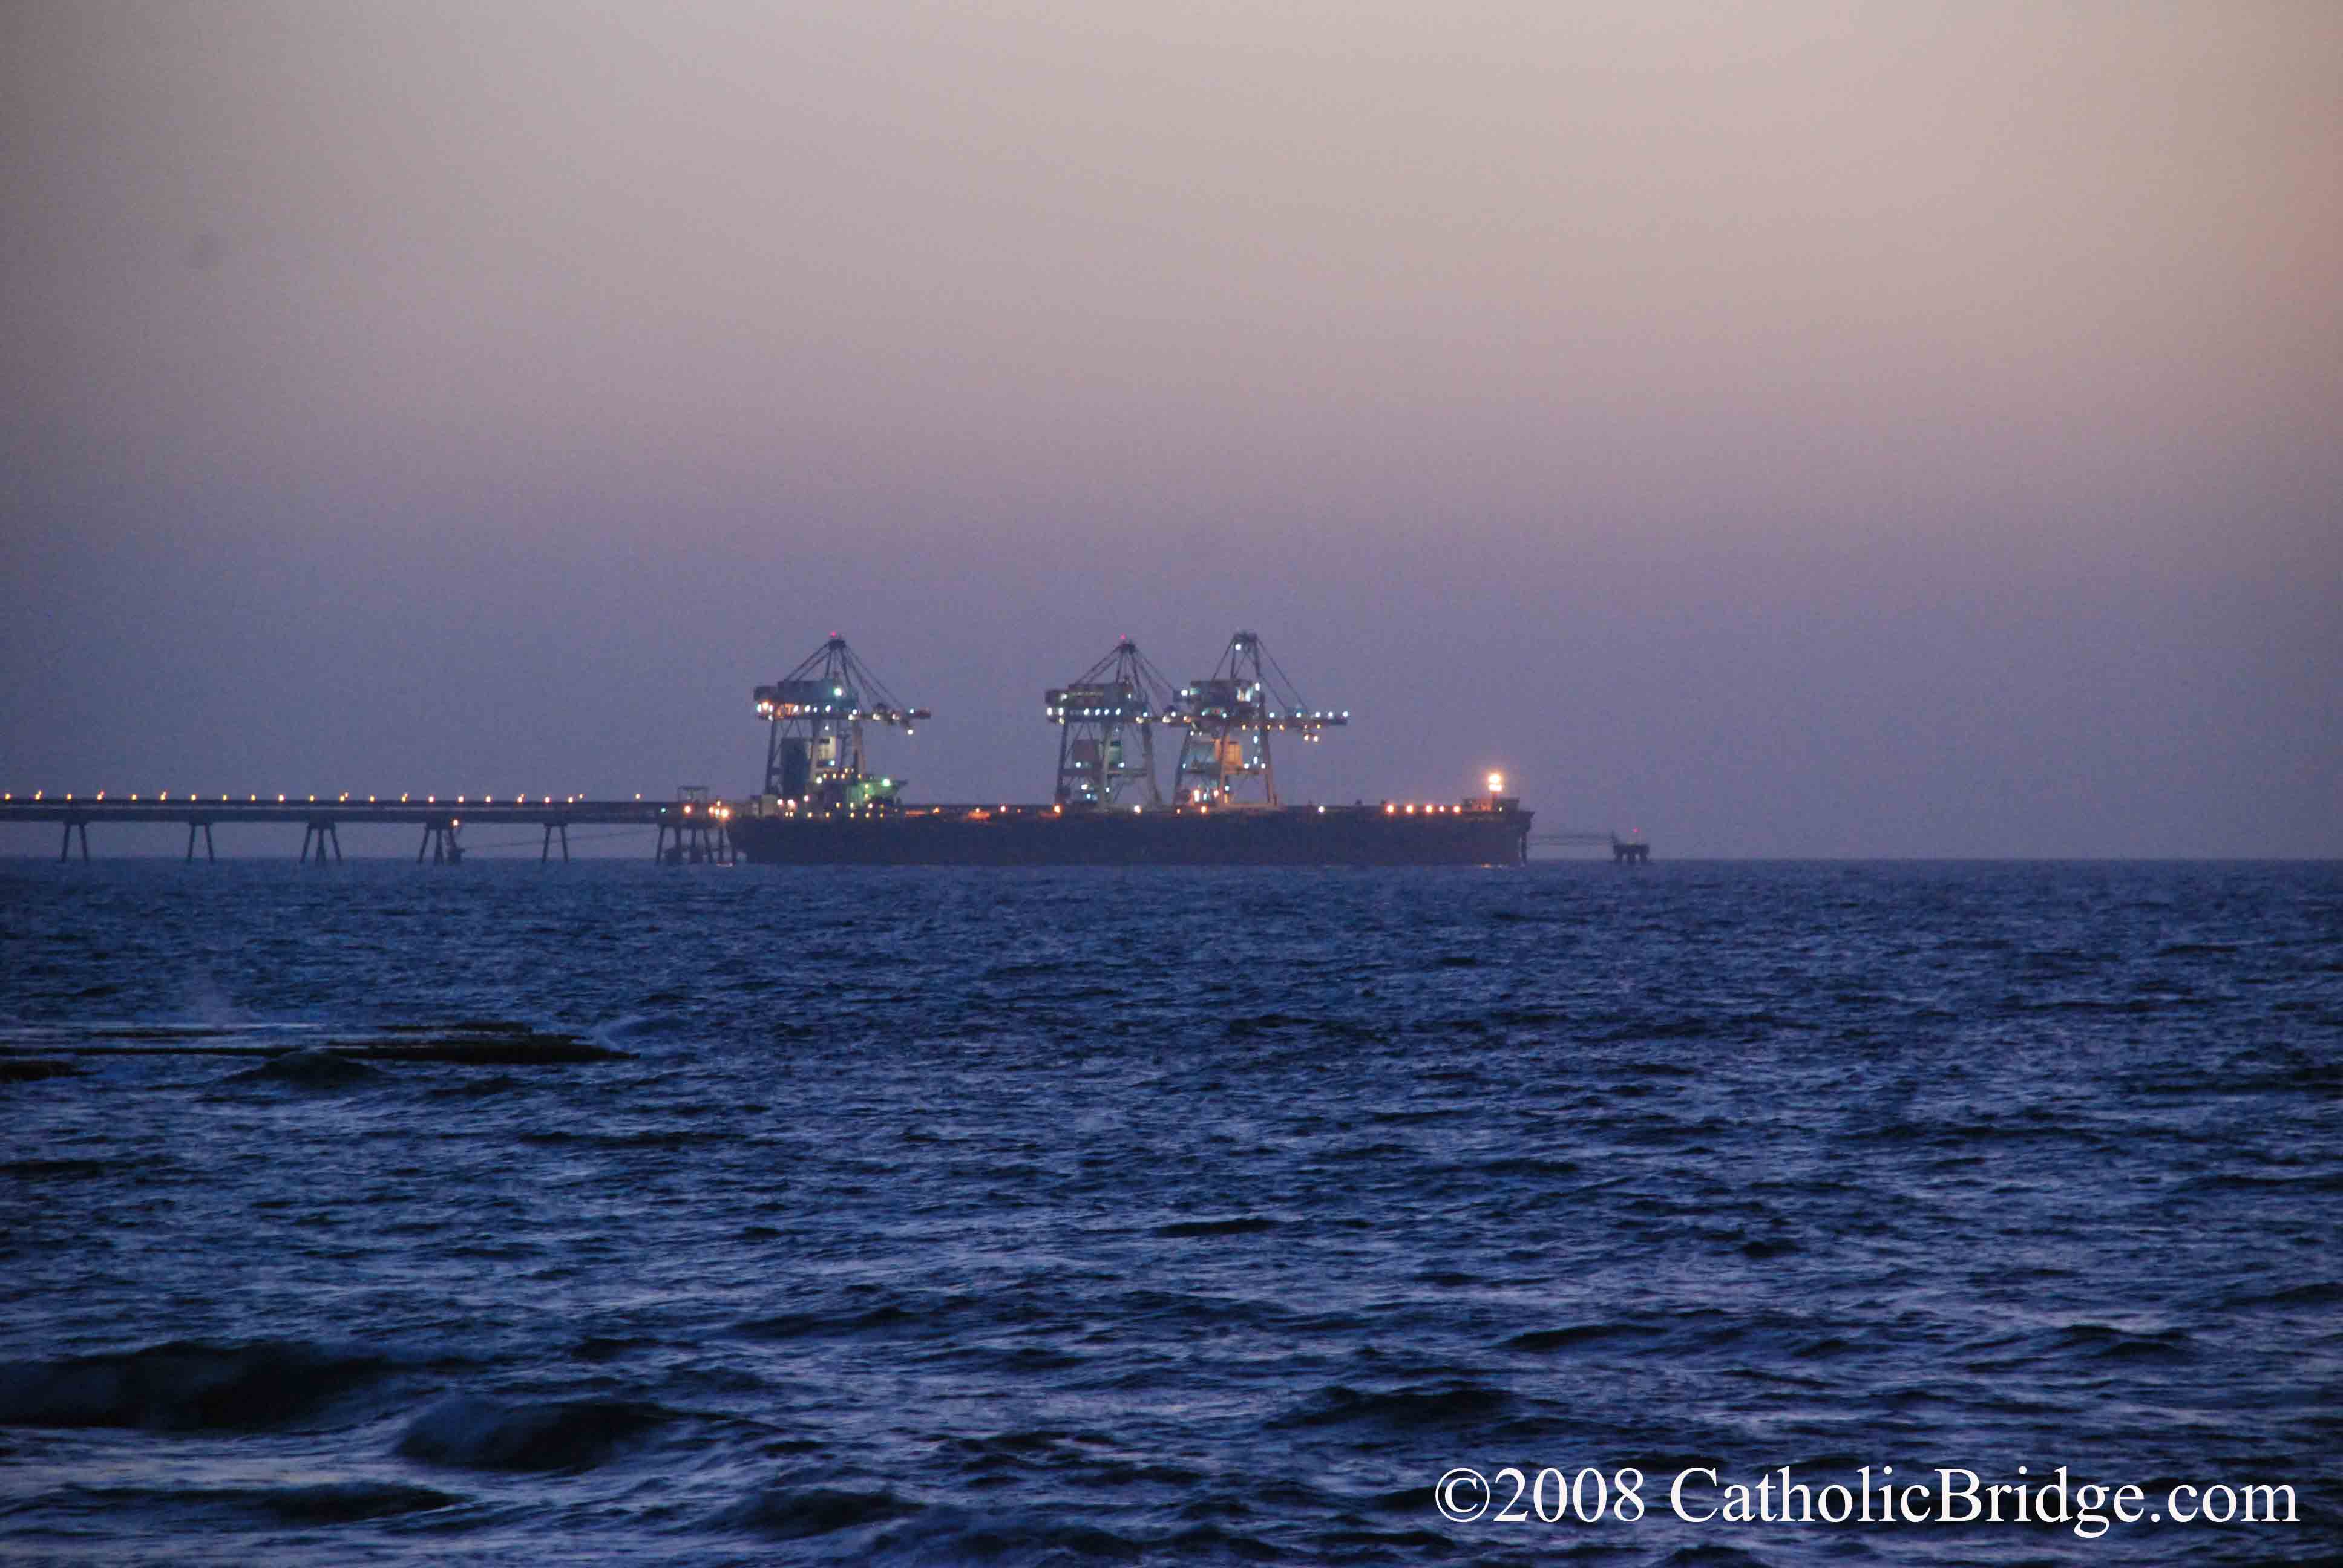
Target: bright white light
[1496,783]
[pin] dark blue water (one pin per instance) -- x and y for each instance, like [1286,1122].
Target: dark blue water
[1097,1217]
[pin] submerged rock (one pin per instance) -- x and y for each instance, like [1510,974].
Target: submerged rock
[312,1069]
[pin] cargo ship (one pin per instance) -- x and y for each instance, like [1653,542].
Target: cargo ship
[820,805]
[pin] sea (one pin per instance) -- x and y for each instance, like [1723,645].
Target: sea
[1567,1213]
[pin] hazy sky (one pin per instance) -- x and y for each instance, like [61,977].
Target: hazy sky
[1791,428]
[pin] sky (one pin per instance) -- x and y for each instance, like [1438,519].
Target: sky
[1789,430]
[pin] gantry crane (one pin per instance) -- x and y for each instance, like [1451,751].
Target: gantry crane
[1104,714]
[814,757]
[1230,715]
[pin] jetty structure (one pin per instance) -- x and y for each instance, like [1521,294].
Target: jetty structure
[821,802]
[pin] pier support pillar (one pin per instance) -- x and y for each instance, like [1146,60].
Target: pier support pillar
[694,842]
[545,853]
[439,840]
[204,823]
[64,850]
[323,832]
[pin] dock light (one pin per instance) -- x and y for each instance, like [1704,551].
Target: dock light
[280,799]
[1496,783]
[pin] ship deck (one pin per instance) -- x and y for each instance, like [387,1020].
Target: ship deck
[1013,835]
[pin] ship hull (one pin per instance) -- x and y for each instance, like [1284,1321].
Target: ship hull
[1294,836]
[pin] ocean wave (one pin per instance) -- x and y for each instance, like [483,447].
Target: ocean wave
[184,1386]
[914,1316]
[1240,1225]
[467,1431]
[34,1070]
[956,1535]
[1542,1341]
[1402,1409]
[789,1513]
[61,1169]
[2103,1342]
[318,1502]
[2316,1293]
[338,1501]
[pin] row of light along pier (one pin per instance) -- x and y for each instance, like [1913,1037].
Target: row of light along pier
[692,827]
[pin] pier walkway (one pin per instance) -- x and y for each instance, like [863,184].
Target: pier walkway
[1629,851]
[691,827]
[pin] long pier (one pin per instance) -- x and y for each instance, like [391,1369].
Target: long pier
[691,827]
